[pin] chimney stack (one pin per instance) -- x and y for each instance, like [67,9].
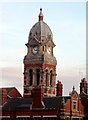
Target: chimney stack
[37,94]
[4,95]
[59,88]
[83,85]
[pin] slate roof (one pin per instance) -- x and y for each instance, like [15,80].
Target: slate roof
[24,103]
[9,89]
[54,102]
[20,103]
[41,31]
[12,92]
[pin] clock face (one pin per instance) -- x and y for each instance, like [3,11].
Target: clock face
[35,50]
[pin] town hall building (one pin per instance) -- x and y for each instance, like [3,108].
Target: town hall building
[43,98]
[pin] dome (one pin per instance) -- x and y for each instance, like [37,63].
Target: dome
[41,31]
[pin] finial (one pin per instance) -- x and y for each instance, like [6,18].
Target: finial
[40,15]
[73,88]
[40,9]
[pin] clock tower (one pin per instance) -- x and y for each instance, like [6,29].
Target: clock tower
[40,62]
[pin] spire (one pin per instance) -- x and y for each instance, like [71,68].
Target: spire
[40,15]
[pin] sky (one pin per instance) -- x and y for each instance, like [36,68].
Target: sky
[67,21]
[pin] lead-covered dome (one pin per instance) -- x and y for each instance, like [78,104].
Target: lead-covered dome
[41,31]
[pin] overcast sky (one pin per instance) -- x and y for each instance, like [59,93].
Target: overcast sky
[68,24]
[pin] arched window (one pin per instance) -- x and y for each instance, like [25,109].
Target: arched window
[46,77]
[31,76]
[43,48]
[51,77]
[38,76]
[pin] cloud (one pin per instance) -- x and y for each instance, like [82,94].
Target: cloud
[12,76]
[69,37]
[71,75]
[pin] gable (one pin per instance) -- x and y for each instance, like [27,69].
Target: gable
[74,94]
[9,89]
[34,42]
[14,93]
[51,43]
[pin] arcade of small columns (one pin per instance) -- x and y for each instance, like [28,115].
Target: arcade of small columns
[37,75]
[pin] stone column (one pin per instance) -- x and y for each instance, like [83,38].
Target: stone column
[48,79]
[41,77]
[54,79]
[34,78]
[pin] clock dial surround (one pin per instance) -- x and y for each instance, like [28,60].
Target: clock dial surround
[35,49]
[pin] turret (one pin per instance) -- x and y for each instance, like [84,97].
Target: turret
[83,85]
[40,62]
[40,15]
